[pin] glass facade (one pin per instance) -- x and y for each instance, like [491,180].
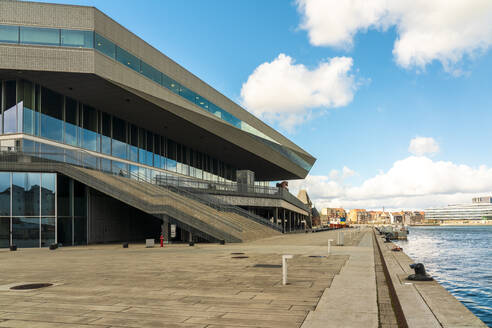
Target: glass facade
[91,39]
[46,208]
[72,212]
[38,111]
[27,209]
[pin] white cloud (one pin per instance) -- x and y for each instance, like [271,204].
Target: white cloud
[287,92]
[416,182]
[421,145]
[443,30]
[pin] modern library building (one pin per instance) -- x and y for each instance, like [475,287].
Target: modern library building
[105,139]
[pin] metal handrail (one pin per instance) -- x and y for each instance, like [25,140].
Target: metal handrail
[223,207]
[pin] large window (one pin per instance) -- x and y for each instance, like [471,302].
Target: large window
[71,128]
[10,108]
[9,34]
[4,232]
[80,39]
[25,232]
[4,194]
[42,36]
[51,115]
[90,137]
[47,231]
[30,195]
[150,72]
[48,192]
[105,133]
[25,194]
[127,59]
[119,145]
[105,46]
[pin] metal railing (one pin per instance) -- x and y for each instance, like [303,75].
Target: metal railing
[177,187]
[86,160]
[211,187]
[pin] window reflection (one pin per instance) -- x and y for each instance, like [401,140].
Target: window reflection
[105,46]
[63,119]
[47,231]
[4,232]
[42,36]
[9,34]
[127,59]
[48,194]
[25,194]
[80,39]
[51,115]
[4,193]
[25,232]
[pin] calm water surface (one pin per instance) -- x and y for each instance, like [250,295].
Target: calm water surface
[460,259]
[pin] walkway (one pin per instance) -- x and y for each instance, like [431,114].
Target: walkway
[176,286]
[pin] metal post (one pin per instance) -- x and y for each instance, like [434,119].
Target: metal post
[284,268]
[329,245]
[283,220]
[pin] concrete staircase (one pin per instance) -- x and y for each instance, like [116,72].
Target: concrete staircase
[159,201]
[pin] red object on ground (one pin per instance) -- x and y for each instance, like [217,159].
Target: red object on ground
[162,240]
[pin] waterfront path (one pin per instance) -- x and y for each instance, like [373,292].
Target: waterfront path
[207,285]
[175,286]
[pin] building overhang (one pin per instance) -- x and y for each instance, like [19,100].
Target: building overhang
[197,130]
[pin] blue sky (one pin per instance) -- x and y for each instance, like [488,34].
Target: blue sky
[223,42]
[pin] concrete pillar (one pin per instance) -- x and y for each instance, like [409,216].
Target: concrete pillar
[289,219]
[283,220]
[165,228]
[190,237]
[275,213]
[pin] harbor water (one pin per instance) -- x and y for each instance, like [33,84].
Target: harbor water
[460,259]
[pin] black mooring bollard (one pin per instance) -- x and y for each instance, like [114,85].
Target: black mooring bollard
[53,247]
[13,248]
[191,243]
[420,274]
[125,245]
[222,242]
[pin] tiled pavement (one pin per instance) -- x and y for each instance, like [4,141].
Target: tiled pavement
[176,286]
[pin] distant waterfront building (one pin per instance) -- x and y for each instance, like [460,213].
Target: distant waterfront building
[479,210]
[359,216]
[482,200]
[332,215]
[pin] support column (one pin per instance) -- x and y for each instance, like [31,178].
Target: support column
[165,228]
[283,220]
[275,213]
[290,221]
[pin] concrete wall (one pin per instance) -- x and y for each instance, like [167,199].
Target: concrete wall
[113,221]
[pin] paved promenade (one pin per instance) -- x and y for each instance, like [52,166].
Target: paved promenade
[177,286]
[233,285]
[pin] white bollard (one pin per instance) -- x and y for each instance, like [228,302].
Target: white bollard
[329,245]
[284,268]
[340,238]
